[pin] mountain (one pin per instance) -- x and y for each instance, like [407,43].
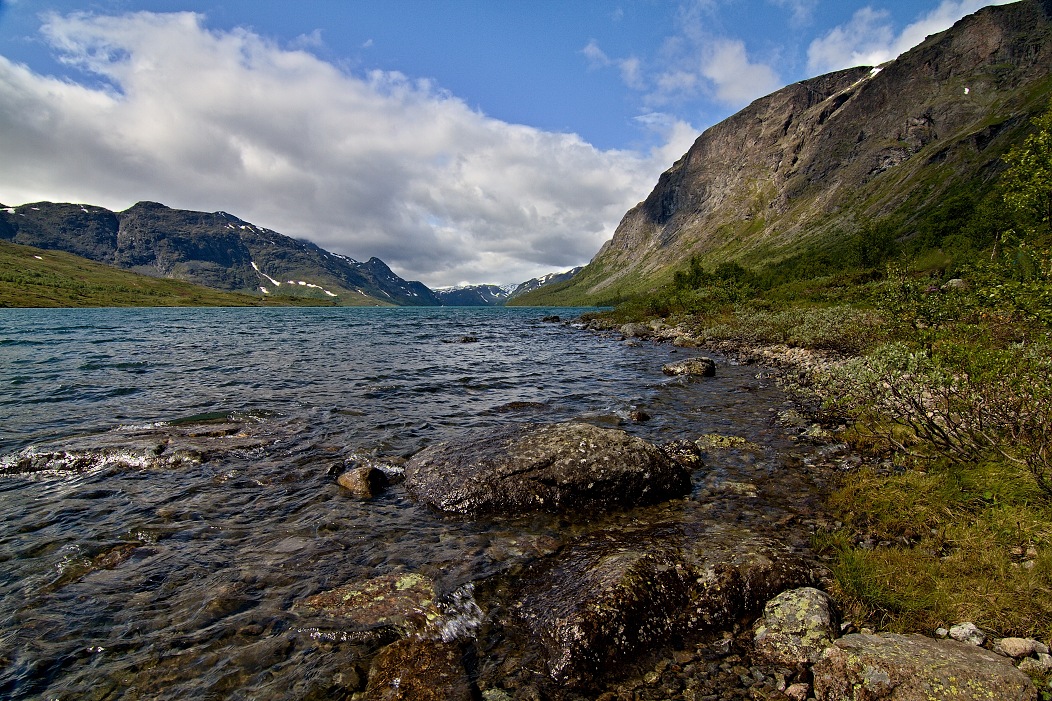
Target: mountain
[34,277]
[217,250]
[809,166]
[474,295]
[545,281]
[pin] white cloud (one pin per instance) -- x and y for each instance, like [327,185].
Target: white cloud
[693,64]
[735,77]
[630,68]
[869,38]
[375,164]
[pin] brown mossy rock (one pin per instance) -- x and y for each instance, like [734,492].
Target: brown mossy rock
[364,482]
[612,596]
[916,668]
[544,467]
[392,605]
[797,627]
[419,670]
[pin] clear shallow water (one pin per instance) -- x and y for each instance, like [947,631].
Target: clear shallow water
[139,582]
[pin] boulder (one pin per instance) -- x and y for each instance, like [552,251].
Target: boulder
[693,367]
[1015,647]
[916,668]
[364,482]
[383,608]
[635,330]
[552,467]
[617,594]
[419,670]
[797,627]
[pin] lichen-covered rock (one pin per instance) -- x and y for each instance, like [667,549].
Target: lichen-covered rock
[419,670]
[916,668]
[400,603]
[554,468]
[617,594]
[703,367]
[797,626]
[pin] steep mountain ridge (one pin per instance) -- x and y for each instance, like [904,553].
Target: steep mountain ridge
[817,159]
[216,249]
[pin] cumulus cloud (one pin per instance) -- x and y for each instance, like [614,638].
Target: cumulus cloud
[694,65]
[362,164]
[735,77]
[870,38]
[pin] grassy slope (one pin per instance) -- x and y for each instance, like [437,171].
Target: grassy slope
[31,277]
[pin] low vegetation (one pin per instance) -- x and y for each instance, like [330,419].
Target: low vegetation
[944,382]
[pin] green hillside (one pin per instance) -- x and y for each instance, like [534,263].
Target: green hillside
[31,277]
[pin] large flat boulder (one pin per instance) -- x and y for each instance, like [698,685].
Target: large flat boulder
[550,467]
[916,668]
[612,596]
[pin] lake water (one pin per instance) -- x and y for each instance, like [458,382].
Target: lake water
[123,576]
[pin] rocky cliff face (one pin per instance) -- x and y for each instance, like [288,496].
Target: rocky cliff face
[819,156]
[214,249]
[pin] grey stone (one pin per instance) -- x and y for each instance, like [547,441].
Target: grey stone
[967,633]
[701,367]
[916,668]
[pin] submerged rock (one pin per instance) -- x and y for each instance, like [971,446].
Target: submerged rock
[702,367]
[914,667]
[618,594]
[400,603]
[554,468]
[419,670]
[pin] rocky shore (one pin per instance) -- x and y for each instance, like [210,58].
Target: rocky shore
[679,571]
[654,604]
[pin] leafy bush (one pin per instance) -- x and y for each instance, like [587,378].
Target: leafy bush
[962,404]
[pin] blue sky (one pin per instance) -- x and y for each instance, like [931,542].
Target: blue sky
[482,141]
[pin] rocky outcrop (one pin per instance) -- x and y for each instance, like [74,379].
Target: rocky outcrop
[557,467]
[615,595]
[915,668]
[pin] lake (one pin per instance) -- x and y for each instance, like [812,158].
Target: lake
[124,576]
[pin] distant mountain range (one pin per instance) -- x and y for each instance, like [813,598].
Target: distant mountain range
[220,251]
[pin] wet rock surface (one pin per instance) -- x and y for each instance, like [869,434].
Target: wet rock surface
[615,595]
[158,446]
[916,668]
[419,670]
[692,367]
[398,604]
[553,468]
